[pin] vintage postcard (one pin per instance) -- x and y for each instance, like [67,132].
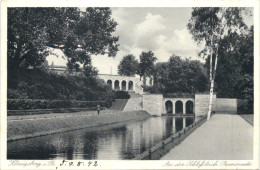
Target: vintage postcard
[130,84]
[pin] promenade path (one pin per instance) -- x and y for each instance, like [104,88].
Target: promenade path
[223,137]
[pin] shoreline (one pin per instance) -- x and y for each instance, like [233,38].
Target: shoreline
[24,129]
[163,147]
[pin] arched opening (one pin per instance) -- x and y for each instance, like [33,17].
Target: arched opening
[130,85]
[189,107]
[168,106]
[117,85]
[109,83]
[179,107]
[123,87]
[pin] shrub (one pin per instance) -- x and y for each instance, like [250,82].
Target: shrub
[179,95]
[16,94]
[26,104]
[122,95]
[43,85]
[151,89]
[245,109]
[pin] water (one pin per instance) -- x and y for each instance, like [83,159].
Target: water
[115,142]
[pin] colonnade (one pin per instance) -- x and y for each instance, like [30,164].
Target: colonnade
[123,85]
[178,107]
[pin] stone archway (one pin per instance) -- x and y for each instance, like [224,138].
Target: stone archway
[123,86]
[189,107]
[109,83]
[178,107]
[168,106]
[130,85]
[117,85]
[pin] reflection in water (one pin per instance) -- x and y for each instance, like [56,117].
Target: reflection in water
[120,141]
[169,126]
[178,123]
[181,122]
[189,121]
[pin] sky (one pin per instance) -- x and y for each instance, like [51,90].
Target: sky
[160,30]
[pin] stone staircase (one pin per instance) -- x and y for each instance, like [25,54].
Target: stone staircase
[118,104]
[134,103]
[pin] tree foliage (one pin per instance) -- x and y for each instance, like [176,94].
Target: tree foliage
[31,31]
[209,25]
[160,74]
[235,64]
[128,66]
[177,75]
[146,65]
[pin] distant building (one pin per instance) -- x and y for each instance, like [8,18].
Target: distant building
[116,82]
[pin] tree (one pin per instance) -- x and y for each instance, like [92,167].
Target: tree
[237,68]
[211,25]
[177,73]
[128,66]
[161,74]
[180,76]
[185,76]
[90,71]
[31,31]
[230,78]
[248,69]
[196,77]
[146,65]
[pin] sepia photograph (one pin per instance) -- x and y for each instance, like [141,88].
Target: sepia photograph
[120,83]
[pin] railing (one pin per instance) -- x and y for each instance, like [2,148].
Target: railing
[179,115]
[138,88]
[162,148]
[53,116]
[29,104]
[46,111]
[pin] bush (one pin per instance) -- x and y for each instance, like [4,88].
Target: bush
[16,94]
[27,104]
[245,109]
[151,89]
[179,95]
[122,95]
[43,85]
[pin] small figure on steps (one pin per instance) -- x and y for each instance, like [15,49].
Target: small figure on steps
[98,108]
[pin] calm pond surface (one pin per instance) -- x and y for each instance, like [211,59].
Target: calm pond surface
[116,142]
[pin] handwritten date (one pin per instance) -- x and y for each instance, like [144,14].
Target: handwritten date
[66,163]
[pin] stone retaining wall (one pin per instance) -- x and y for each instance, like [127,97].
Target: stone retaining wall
[152,103]
[226,105]
[155,104]
[202,104]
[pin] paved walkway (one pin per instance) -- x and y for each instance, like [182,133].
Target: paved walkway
[223,137]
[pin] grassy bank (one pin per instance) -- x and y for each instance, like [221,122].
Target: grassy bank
[249,118]
[32,128]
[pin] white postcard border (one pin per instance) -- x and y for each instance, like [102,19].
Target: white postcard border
[182,164]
